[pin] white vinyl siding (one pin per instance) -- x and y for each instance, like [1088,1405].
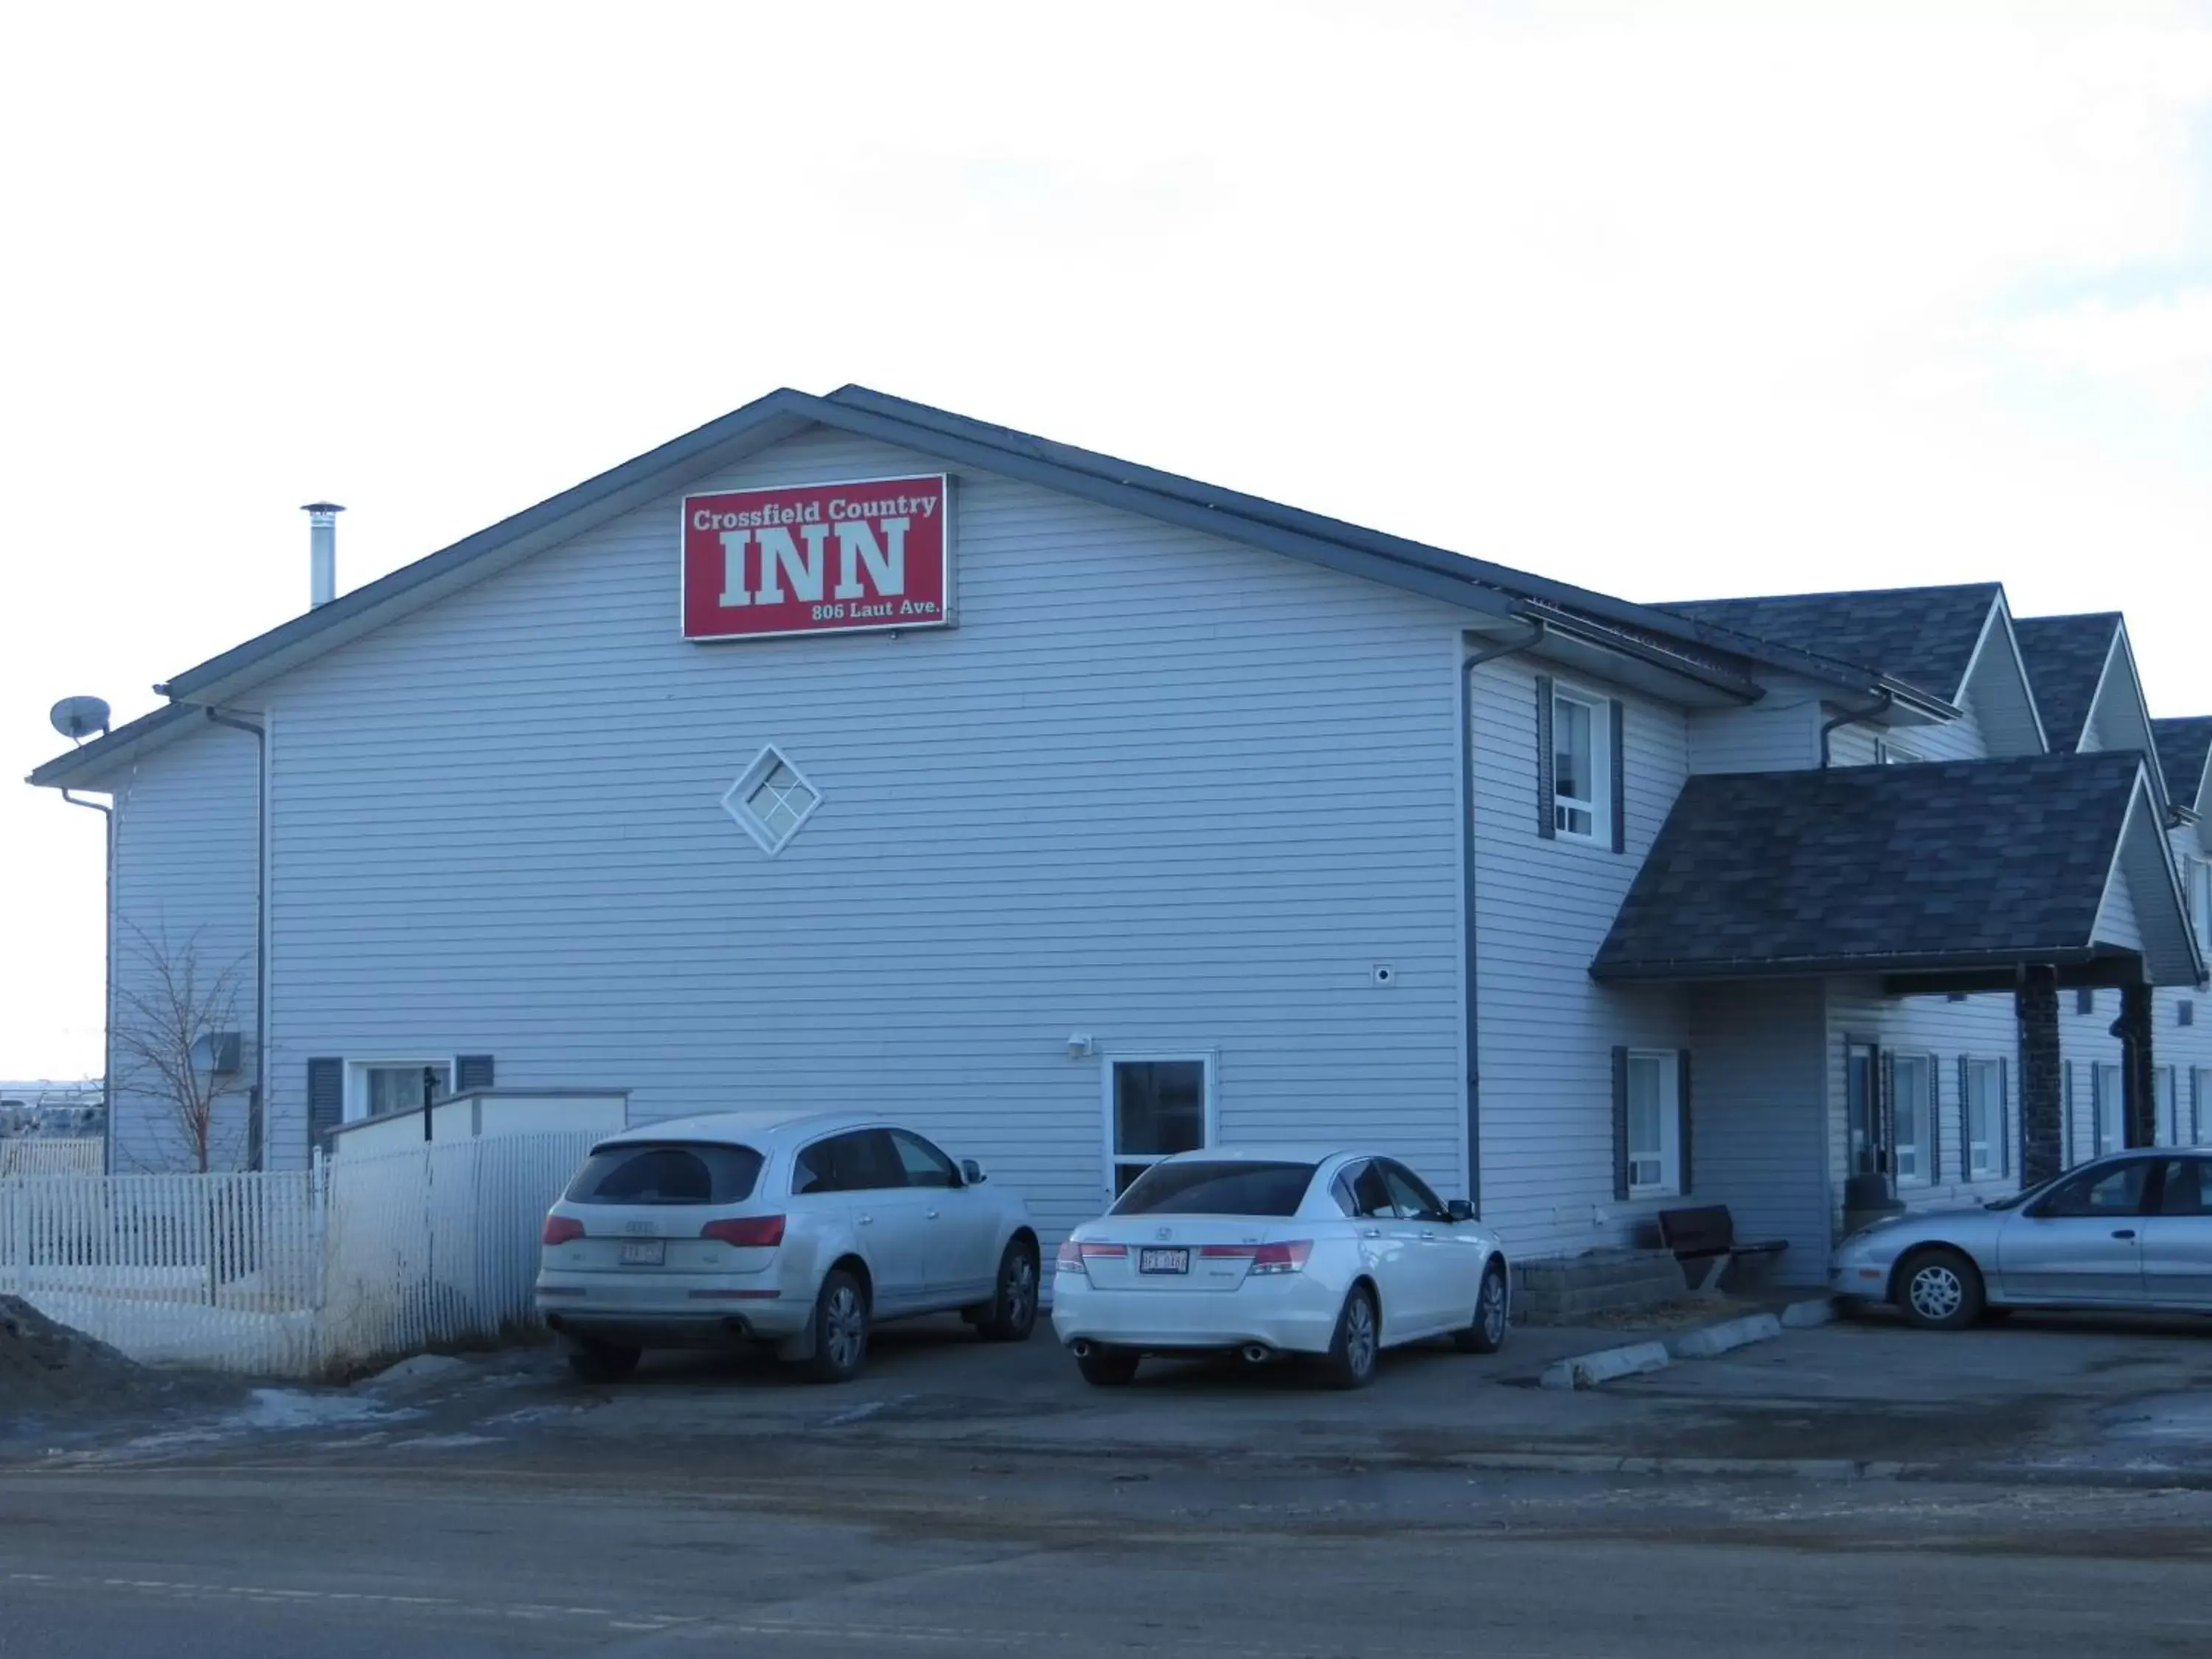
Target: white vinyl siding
[1547,1031]
[1758,1096]
[1156,787]
[185,882]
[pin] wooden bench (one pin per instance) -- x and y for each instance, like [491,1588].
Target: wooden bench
[1706,1236]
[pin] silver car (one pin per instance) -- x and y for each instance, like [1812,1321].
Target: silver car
[2132,1231]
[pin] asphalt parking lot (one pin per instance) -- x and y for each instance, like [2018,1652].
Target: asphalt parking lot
[2052,1395]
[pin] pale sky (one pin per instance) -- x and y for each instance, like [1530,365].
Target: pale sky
[1673,301]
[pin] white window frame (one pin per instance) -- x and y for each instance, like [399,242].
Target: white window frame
[1984,1159]
[1598,803]
[737,800]
[1117,1159]
[2200,902]
[2200,1094]
[2108,1104]
[356,1079]
[1922,1146]
[1669,1153]
[1887,751]
[2166,1104]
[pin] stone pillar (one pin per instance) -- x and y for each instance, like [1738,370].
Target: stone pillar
[2042,1099]
[2133,1028]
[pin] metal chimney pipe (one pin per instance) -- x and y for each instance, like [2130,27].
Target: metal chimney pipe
[322,551]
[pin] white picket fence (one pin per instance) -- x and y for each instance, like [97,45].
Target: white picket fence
[313,1273]
[28,1155]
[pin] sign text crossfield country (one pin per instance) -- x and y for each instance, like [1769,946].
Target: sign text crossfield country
[860,556]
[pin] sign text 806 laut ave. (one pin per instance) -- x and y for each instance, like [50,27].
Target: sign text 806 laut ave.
[825,558]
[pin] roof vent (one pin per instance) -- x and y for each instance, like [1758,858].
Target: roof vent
[322,551]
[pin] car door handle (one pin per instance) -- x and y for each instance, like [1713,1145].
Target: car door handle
[867,1221]
[932,1215]
[2124,1232]
[1371,1232]
[1429,1235]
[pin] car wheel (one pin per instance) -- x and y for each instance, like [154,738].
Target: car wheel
[1487,1334]
[1350,1362]
[602,1361]
[1014,1310]
[841,1329]
[1108,1368]
[1939,1291]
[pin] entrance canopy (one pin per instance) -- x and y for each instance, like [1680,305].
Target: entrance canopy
[1949,876]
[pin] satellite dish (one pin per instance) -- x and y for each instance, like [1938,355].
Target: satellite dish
[78,718]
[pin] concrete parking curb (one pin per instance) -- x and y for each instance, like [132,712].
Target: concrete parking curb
[1709,1340]
[1587,1370]
[1798,1316]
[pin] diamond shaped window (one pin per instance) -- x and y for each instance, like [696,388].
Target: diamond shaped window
[771,801]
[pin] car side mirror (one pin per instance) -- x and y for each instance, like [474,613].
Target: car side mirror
[1459,1209]
[971,1173]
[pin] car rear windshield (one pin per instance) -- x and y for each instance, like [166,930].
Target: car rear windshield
[1241,1188]
[686,1172]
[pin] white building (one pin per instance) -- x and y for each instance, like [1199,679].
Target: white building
[1153,813]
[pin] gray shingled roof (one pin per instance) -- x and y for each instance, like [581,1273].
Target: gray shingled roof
[2065,658]
[2183,746]
[1875,869]
[1924,637]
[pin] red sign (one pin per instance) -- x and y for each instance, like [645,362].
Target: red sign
[863,555]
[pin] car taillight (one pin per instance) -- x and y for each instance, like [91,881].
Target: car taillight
[560,1228]
[1071,1256]
[752,1232]
[1289,1258]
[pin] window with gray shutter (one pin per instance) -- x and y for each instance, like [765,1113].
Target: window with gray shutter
[325,1102]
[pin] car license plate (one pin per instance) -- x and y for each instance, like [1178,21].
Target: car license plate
[644,1252]
[1163,1262]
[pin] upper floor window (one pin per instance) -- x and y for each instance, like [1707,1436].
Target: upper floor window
[1581,766]
[1887,751]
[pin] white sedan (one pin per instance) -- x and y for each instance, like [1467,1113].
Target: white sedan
[1272,1251]
[794,1230]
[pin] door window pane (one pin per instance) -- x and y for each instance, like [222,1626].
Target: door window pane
[924,1166]
[1373,1193]
[1411,1195]
[1913,1110]
[2116,1191]
[862,1161]
[2187,1190]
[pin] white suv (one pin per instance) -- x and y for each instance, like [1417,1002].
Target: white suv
[793,1231]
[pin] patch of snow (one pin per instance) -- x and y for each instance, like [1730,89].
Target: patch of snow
[295,1408]
[422,1368]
